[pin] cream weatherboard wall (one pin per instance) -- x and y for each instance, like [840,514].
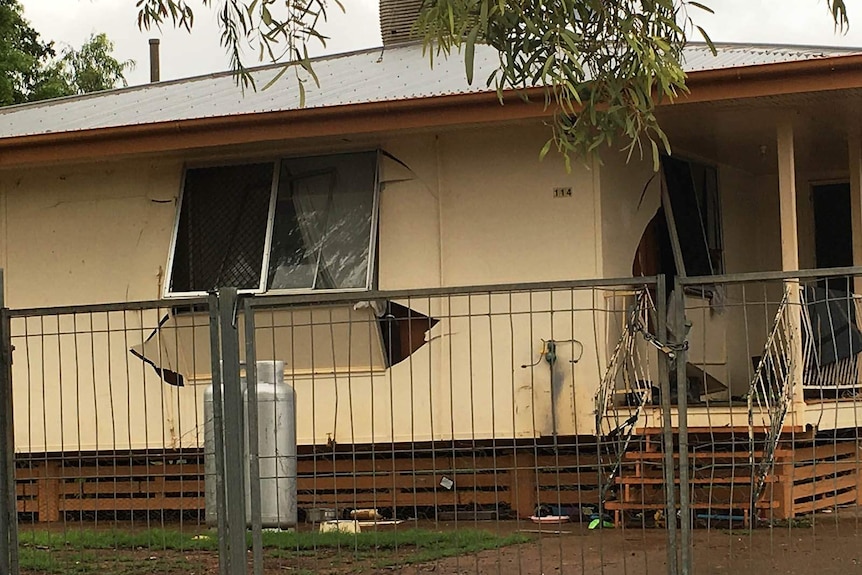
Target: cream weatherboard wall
[79,235]
[472,206]
[88,233]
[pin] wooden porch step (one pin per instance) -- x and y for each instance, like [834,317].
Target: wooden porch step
[697,480]
[822,469]
[658,456]
[726,430]
[825,503]
[826,452]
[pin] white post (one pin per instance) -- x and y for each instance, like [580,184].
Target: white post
[790,254]
[854,144]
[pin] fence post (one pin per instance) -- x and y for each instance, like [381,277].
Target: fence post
[228,426]
[682,413]
[218,432]
[669,467]
[8,495]
[253,439]
[233,432]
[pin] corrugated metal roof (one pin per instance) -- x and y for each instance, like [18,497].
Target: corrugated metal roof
[698,57]
[378,75]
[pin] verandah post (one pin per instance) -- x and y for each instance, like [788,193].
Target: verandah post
[790,258]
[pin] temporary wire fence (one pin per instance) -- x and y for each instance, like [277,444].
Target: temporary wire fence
[458,411]
[108,450]
[563,427]
[450,428]
[773,421]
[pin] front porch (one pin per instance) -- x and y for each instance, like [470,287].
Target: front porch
[805,419]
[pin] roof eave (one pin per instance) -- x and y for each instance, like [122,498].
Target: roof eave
[804,76]
[346,120]
[842,72]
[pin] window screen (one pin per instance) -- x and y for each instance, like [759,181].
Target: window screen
[222,229]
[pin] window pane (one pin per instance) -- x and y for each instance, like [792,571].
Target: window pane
[222,228]
[322,231]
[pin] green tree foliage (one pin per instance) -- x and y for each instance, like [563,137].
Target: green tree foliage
[604,65]
[21,54]
[92,67]
[31,69]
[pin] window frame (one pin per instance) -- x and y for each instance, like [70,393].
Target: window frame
[371,271]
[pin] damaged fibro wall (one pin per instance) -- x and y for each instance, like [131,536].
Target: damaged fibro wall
[466,206]
[456,207]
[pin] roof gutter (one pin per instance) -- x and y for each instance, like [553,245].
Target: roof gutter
[825,74]
[820,75]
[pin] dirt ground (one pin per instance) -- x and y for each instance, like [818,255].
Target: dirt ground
[831,546]
[797,551]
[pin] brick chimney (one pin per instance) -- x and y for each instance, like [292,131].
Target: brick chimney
[155,67]
[396,21]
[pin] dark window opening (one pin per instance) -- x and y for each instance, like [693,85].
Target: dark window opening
[833,232]
[691,201]
[833,235]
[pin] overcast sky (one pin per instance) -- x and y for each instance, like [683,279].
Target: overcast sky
[70,22]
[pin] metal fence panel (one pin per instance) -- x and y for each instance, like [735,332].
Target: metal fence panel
[108,447]
[775,457]
[453,428]
[487,429]
[464,414]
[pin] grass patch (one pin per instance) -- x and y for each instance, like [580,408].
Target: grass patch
[164,539]
[804,522]
[46,561]
[39,560]
[389,548]
[120,552]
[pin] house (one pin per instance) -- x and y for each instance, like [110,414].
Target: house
[400,178]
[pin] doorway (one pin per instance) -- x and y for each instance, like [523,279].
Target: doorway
[833,230]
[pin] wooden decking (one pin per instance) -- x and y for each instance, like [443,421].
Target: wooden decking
[807,476]
[510,480]
[810,474]
[53,488]
[720,417]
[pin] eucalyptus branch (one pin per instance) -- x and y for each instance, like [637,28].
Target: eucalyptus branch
[273,30]
[604,65]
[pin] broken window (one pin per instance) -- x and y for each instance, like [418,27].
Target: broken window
[686,229]
[693,210]
[294,224]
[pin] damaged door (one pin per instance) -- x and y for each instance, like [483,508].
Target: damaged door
[685,239]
